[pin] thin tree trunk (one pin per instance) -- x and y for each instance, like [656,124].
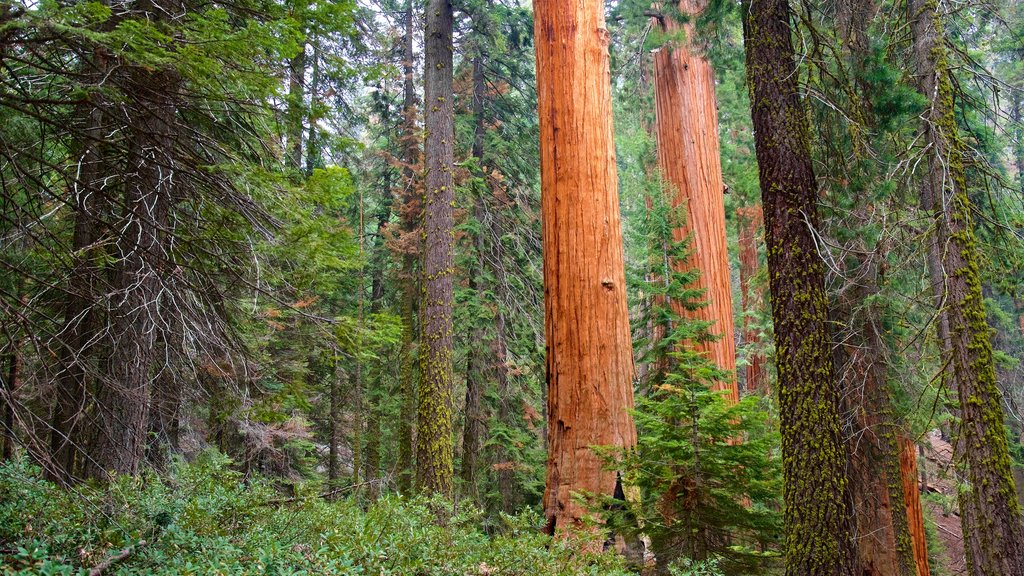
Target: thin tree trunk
[474,428]
[10,388]
[334,415]
[589,350]
[689,157]
[750,222]
[410,214]
[313,145]
[989,511]
[434,450]
[296,112]
[819,517]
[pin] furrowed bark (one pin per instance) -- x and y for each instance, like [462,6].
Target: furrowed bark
[989,511]
[750,222]
[818,519]
[434,450]
[912,498]
[688,154]
[123,401]
[410,215]
[589,352]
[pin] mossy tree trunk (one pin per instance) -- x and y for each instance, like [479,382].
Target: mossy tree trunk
[589,351]
[989,511]
[434,465]
[818,519]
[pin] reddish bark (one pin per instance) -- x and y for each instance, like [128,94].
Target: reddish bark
[751,219]
[589,351]
[688,154]
[912,499]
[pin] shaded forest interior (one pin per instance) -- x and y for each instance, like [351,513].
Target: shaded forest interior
[494,287]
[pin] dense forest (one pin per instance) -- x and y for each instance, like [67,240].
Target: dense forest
[493,287]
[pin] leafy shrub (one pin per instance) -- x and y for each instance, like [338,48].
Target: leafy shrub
[204,518]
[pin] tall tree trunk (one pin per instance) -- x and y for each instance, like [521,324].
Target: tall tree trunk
[314,158]
[123,401]
[410,214]
[296,110]
[689,157]
[434,458]
[7,398]
[989,511]
[750,221]
[589,350]
[912,498]
[334,415]
[818,519]
[884,544]
[474,428]
[80,314]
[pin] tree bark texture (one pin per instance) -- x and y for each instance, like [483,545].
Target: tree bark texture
[751,220]
[989,511]
[589,352]
[884,544]
[75,339]
[686,131]
[410,216]
[818,518]
[912,499]
[434,458]
[124,397]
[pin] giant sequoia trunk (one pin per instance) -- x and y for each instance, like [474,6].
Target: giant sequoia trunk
[818,521]
[989,511]
[912,498]
[123,401]
[589,353]
[688,154]
[434,466]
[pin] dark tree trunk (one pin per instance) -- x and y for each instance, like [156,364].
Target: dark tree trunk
[434,465]
[410,214]
[123,401]
[296,111]
[334,433]
[989,511]
[818,520]
[80,314]
[7,397]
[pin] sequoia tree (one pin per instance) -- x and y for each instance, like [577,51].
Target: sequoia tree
[689,158]
[589,352]
[434,466]
[818,521]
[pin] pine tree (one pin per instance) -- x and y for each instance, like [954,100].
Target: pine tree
[434,458]
[819,523]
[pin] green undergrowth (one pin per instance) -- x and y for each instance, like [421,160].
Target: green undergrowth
[204,518]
